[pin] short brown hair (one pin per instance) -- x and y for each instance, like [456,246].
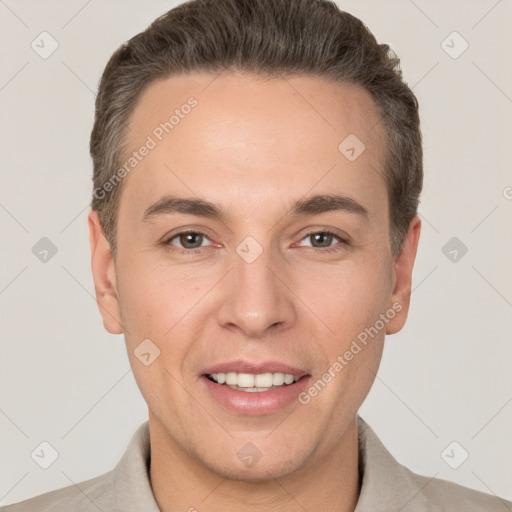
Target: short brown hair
[265,37]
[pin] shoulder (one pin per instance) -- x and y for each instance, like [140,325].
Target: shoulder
[389,485]
[443,495]
[87,496]
[124,487]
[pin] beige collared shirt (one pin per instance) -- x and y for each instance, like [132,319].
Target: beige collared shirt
[387,486]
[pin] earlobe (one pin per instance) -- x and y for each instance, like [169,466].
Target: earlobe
[402,277]
[104,275]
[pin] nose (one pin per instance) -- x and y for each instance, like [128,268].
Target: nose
[257,299]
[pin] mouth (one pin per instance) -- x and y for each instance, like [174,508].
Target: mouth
[254,389]
[253,383]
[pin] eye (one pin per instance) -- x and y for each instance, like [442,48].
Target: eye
[191,242]
[186,241]
[325,239]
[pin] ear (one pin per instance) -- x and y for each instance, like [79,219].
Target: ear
[104,275]
[402,274]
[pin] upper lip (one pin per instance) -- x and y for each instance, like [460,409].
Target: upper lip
[241,366]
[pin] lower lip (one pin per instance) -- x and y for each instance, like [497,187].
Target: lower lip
[256,403]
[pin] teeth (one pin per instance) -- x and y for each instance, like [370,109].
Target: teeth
[288,379]
[251,382]
[231,378]
[264,380]
[245,380]
[278,379]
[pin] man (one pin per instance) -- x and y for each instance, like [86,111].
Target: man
[278,139]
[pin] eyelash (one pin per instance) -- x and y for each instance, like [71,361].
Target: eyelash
[167,243]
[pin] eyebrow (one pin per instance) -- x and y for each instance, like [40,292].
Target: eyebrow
[313,205]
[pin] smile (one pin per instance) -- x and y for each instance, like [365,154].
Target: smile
[252,383]
[255,394]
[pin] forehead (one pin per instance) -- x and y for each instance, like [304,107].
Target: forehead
[241,137]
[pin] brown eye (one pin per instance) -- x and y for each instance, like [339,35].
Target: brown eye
[323,239]
[186,241]
[191,240]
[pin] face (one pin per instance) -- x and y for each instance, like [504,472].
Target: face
[252,249]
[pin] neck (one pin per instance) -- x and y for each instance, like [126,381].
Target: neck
[329,481]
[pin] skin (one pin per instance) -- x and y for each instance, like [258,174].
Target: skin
[253,146]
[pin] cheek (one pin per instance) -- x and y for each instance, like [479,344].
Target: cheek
[154,306]
[349,297]
[160,304]
[151,301]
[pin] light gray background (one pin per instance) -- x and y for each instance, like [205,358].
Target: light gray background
[445,377]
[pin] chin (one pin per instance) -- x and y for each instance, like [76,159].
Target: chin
[242,461]
[261,472]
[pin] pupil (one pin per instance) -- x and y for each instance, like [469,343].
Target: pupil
[186,238]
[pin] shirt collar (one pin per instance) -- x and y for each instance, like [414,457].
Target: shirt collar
[386,484]
[132,485]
